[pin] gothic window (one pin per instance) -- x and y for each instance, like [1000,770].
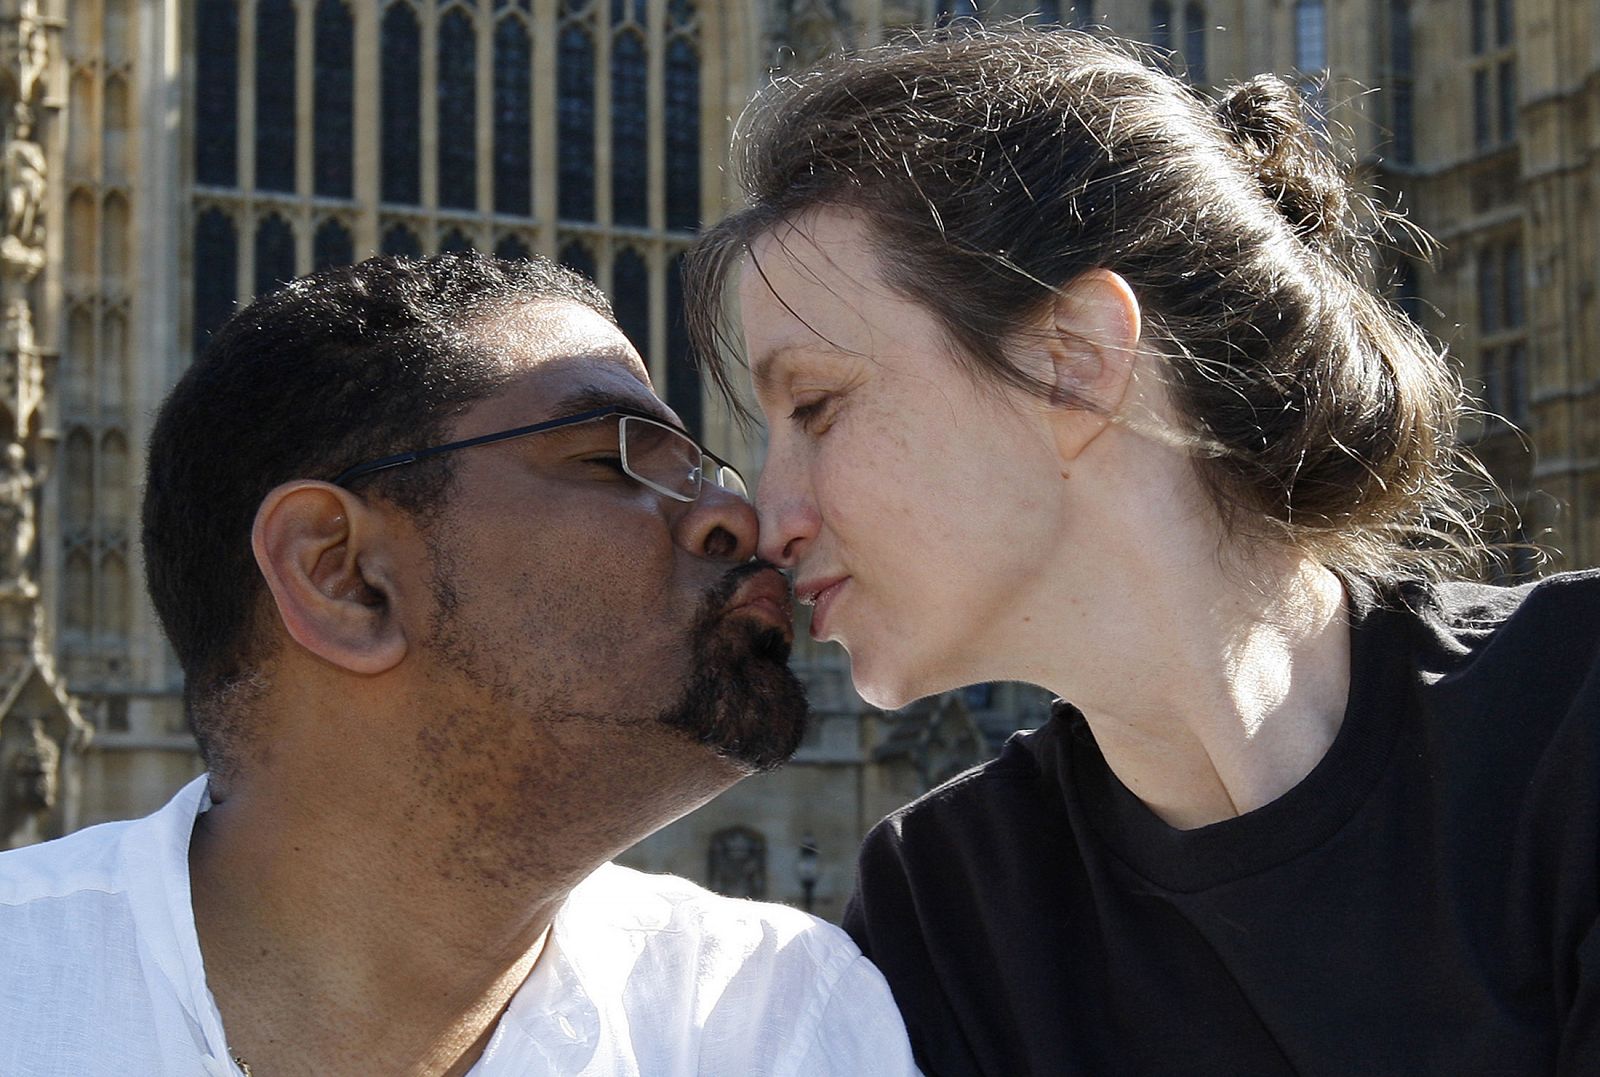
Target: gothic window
[216,92]
[576,256]
[401,105]
[455,240]
[1401,118]
[113,605]
[630,297]
[78,488]
[335,100]
[513,117]
[1310,37]
[512,249]
[275,105]
[78,615]
[216,287]
[402,241]
[458,112]
[683,377]
[575,125]
[274,254]
[630,145]
[1194,42]
[116,232]
[332,245]
[1161,27]
[683,135]
[114,486]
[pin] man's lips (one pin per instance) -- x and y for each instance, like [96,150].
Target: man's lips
[820,592]
[765,595]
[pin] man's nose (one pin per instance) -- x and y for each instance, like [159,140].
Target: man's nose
[719,525]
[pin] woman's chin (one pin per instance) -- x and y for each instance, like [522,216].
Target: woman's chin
[884,687]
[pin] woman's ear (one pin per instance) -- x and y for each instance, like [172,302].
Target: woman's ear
[1092,340]
[320,548]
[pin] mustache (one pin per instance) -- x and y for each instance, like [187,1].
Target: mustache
[716,598]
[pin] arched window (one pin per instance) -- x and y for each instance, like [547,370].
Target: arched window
[577,257]
[630,297]
[630,141]
[274,254]
[78,612]
[513,117]
[683,377]
[402,106]
[116,240]
[683,135]
[118,165]
[332,245]
[1194,42]
[575,125]
[113,604]
[76,365]
[216,274]
[512,249]
[275,55]
[1161,27]
[335,100]
[113,361]
[113,502]
[1310,37]
[216,93]
[78,487]
[458,112]
[455,240]
[400,240]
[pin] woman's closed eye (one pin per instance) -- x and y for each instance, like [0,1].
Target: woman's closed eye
[814,416]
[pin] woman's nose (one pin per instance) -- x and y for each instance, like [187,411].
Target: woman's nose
[789,520]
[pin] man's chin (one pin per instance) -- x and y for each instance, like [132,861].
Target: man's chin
[743,701]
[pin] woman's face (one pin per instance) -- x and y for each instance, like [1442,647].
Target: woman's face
[916,506]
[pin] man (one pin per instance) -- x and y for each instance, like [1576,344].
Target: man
[462,613]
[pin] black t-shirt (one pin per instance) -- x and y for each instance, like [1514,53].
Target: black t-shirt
[1423,902]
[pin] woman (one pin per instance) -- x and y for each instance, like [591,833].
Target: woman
[1073,377]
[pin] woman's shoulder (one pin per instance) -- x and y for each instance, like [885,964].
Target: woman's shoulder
[1554,617]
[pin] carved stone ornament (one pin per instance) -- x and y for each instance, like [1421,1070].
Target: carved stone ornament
[737,864]
[17,522]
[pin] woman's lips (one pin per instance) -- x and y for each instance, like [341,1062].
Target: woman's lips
[820,594]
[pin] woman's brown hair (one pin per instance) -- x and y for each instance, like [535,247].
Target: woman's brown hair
[998,165]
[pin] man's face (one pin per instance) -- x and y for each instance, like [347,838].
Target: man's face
[570,601]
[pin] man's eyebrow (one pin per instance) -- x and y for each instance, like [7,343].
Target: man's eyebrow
[593,397]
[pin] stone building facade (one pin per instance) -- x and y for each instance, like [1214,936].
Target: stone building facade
[167,159]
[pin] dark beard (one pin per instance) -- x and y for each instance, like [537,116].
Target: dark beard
[742,700]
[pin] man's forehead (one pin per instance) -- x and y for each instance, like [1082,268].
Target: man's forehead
[550,330]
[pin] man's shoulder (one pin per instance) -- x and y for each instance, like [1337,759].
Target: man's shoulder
[640,902]
[89,860]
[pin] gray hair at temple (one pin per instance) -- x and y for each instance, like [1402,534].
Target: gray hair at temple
[999,165]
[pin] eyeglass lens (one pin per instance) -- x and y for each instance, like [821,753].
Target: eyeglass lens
[672,463]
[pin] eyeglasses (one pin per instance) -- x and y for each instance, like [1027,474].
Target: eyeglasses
[660,456]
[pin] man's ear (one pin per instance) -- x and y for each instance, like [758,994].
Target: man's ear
[320,548]
[1092,340]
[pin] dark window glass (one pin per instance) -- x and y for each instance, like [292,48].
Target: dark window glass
[216,273]
[1506,77]
[335,97]
[455,240]
[1504,22]
[630,147]
[216,143]
[458,112]
[683,135]
[1401,100]
[1516,381]
[275,80]
[1194,42]
[679,12]
[1494,386]
[1405,138]
[512,249]
[575,125]
[1480,108]
[402,241]
[1310,36]
[274,254]
[1408,291]
[1489,295]
[949,11]
[402,106]
[1049,10]
[1480,25]
[332,246]
[1511,278]
[1161,26]
[1400,36]
[630,298]
[513,118]
[577,257]
[683,376]
[1083,13]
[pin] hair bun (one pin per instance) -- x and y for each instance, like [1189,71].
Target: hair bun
[1265,118]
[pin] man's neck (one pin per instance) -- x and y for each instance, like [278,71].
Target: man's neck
[330,949]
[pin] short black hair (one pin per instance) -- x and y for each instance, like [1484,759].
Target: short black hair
[336,368]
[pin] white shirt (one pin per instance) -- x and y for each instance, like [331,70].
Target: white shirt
[100,973]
